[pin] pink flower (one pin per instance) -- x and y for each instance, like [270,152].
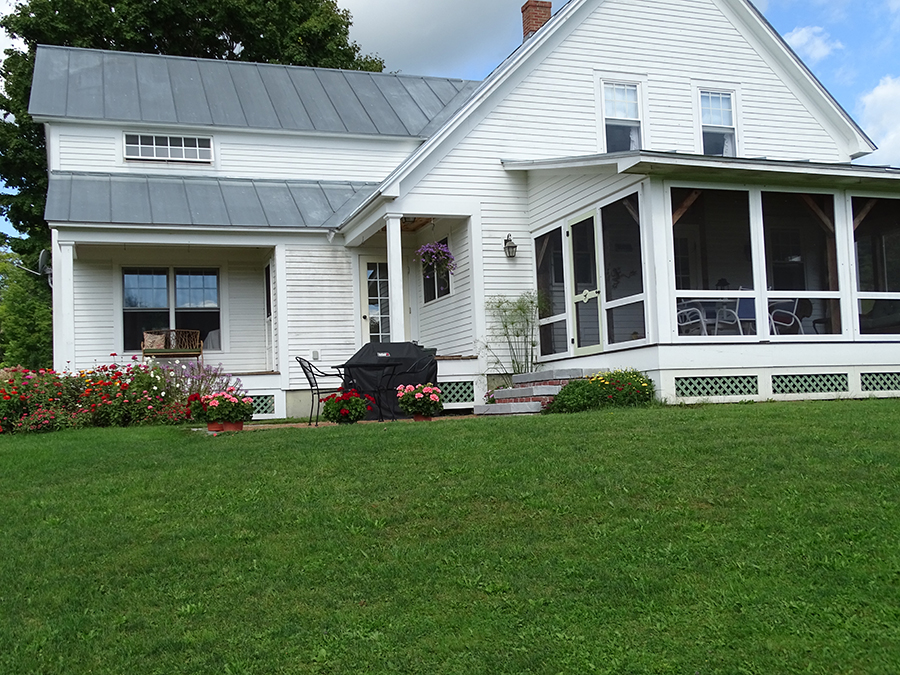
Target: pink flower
[420,395]
[246,399]
[434,397]
[426,390]
[214,403]
[409,387]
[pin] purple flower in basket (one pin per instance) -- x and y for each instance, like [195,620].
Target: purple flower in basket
[437,256]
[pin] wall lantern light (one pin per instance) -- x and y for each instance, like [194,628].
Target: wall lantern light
[509,246]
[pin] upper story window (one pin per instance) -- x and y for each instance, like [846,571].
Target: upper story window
[622,117]
[168,148]
[717,119]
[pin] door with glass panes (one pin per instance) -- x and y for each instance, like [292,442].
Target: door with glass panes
[376,303]
[608,276]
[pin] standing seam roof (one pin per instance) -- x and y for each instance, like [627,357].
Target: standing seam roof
[92,84]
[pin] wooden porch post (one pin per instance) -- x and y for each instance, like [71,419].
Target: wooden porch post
[395,278]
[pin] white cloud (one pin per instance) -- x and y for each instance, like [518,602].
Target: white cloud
[465,38]
[878,115]
[812,43]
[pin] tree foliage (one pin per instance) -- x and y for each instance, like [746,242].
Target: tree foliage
[25,317]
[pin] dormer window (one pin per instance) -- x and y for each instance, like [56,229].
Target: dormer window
[621,111]
[168,148]
[717,119]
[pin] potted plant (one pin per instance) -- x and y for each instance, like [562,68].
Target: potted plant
[422,401]
[346,407]
[223,410]
[437,256]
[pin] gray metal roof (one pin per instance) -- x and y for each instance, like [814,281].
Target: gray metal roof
[93,84]
[204,202]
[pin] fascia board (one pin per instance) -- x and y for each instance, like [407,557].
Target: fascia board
[132,125]
[791,68]
[659,163]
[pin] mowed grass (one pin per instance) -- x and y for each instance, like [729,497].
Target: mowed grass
[757,538]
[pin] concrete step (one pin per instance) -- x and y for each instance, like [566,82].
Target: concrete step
[542,376]
[509,409]
[526,392]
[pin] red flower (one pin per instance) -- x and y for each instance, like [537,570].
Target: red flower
[344,411]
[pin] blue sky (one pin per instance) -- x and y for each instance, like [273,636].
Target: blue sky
[852,46]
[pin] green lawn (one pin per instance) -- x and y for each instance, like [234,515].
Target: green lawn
[759,538]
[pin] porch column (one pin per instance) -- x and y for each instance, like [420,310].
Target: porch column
[395,278]
[63,304]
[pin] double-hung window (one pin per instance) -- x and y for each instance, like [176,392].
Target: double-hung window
[718,123]
[622,117]
[436,282]
[161,298]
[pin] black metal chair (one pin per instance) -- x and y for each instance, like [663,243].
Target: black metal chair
[312,374]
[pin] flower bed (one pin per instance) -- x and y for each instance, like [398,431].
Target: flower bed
[113,395]
[346,407]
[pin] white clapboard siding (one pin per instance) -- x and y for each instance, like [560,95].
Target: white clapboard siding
[308,159]
[86,153]
[448,323]
[320,307]
[246,307]
[95,323]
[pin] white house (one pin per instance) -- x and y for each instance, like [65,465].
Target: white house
[677,181]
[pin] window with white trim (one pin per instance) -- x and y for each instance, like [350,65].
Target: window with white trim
[717,123]
[151,147]
[622,117]
[160,298]
[436,283]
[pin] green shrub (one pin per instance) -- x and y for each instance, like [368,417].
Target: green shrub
[624,387]
[615,388]
[576,396]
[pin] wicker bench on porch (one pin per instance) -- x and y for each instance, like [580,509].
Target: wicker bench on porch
[172,343]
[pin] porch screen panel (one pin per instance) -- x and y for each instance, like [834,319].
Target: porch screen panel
[551,293]
[877,232]
[801,257]
[622,248]
[623,270]
[584,262]
[713,263]
[145,303]
[712,230]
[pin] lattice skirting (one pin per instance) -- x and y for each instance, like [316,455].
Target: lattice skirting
[264,405]
[458,392]
[812,383]
[880,381]
[715,386]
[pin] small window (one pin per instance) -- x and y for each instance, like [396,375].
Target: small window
[717,117]
[622,117]
[435,283]
[168,148]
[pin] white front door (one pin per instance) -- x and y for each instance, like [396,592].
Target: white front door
[376,304]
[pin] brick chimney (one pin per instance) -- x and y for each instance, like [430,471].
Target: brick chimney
[535,14]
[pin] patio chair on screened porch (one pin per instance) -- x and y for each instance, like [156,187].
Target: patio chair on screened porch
[743,313]
[312,376]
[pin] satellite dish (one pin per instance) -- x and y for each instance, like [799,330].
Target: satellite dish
[44,262]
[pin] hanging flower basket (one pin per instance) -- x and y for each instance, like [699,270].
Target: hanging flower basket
[436,256]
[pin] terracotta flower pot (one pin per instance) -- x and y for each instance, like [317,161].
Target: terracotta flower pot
[214,426]
[234,426]
[421,418]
